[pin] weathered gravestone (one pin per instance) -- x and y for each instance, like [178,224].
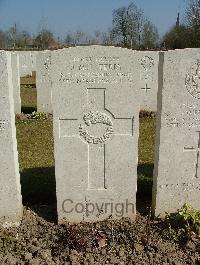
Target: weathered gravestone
[96,113]
[33,55]
[10,200]
[25,63]
[43,82]
[148,82]
[176,172]
[16,82]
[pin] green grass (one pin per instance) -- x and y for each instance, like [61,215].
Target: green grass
[28,99]
[146,157]
[29,79]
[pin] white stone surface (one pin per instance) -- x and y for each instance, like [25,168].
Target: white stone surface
[148,82]
[25,63]
[43,82]
[96,113]
[33,59]
[10,199]
[177,171]
[16,81]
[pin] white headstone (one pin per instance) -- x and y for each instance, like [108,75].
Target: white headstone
[96,127]
[10,190]
[16,82]
[177,171]
[148,82]
[33,59]
[43,82]
[25,63]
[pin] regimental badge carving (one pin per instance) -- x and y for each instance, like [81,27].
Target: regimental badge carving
[93,118]
[147,62]
[96,117]
[192,80]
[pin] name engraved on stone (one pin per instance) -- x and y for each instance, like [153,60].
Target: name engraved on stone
[183,186]
[101,67]
[196,150]
[96,70]
[171,121]
[192,80]
[96,78]
[147,62]
[189,118]
[93,118]
[106,67]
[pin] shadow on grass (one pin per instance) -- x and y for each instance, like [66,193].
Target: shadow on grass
[39,191]
[28,110]
[144,187]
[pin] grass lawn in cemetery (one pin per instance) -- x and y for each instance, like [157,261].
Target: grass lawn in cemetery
[35,147]
[28,94]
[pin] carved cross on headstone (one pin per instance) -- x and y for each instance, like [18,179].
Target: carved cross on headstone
[96,127]
[197,150]
[146,88]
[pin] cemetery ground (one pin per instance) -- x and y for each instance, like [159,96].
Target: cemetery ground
[40,240]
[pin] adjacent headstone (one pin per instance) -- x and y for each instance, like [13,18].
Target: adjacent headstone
[177,172]
[43,82]
[10,200]
[148,82]
[96,113]
[33,60]
[25,63]
[16,82]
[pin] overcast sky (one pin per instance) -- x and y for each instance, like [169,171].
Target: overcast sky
[62,16]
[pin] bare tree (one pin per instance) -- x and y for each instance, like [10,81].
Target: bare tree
[3,40]
[127,25]
[79,37]
[44,39]
[150,36]
[69,39]
[23,39]
[12,35]
[192,14]
[192,21]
